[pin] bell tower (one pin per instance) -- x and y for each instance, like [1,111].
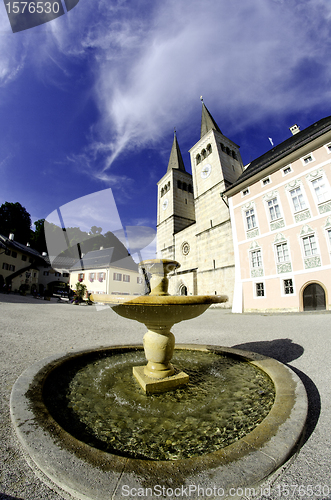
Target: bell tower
[216,164]
[175,203]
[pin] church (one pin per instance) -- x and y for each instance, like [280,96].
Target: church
[193,219]
[261,234]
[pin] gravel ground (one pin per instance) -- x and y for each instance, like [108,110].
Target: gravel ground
[32,329]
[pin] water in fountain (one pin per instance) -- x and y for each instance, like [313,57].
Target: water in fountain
[99,402]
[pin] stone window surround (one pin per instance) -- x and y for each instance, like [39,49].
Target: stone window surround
[279,221]
[256,271]
[286,266]
[253,231]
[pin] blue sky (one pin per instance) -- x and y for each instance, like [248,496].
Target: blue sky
[90,100]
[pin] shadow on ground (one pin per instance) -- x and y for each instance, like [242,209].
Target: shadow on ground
[285,351]
[3,496]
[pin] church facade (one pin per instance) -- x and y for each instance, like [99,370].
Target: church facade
[193,219]
[260,234]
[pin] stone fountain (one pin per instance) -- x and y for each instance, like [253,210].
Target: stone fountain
[159,311]
[68,458]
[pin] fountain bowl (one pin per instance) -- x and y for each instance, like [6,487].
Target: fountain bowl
[76,470]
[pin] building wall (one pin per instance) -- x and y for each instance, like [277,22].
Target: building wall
[108,284]
[294,248]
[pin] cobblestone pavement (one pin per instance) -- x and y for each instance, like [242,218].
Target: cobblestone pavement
[32,329]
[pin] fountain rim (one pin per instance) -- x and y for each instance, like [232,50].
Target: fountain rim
[245,462]
[159,300]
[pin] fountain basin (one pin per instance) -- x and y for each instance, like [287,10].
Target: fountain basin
[73,467]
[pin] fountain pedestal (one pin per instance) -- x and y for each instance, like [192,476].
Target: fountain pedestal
[159,375]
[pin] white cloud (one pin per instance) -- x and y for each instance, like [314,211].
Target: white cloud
[248,59]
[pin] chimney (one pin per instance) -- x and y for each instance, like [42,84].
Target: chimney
[11,236]
[295,129]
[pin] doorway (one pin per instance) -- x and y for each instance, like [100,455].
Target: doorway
[313,297]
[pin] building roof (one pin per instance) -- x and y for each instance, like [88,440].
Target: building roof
[7,243]
[284,149]
[207,122]
[175,160]
[100,259]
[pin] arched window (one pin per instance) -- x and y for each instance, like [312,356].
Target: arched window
[222,146]
[179,184]
[162,192]
[228,152]
[209,150]
[184,187]
[198,159]
[234,156]
[190,189]
[203,153]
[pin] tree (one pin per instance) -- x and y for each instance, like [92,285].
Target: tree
[38,241]
[15,219]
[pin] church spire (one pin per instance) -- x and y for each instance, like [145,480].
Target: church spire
[207,121]
[175,160]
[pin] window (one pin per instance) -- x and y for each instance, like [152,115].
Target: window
[245,192]
[287,170]
[250,218]
[7,251]
[329,235]
[297,199]
[81,276]
[328,147]
[266,181]
[65,275]
[101,277]
[310,245]
[139,280]
[321,189]
[256,258]
[282,253]
[117,277]
[57,275]
[308,159]
[288,286]
[126,278]
[92,277]
[12,268]
[5,266]
[14,254]
[24,257]
[274,209]
[46,273]
[259,289]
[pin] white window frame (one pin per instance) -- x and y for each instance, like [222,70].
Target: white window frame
[308,236]
[279,243]
[307,159]
[249,217]
[282,284]
[269,211]
[245,192]
[285,168]
[255,294]
[328,148]
[326,183]
[266,181]
[289,191]
[251,252]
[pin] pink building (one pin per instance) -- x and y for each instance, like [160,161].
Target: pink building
[280,211]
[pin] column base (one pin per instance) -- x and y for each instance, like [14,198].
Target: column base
[153,385]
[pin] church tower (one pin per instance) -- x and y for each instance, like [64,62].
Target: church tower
[216,164]
[175,204]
